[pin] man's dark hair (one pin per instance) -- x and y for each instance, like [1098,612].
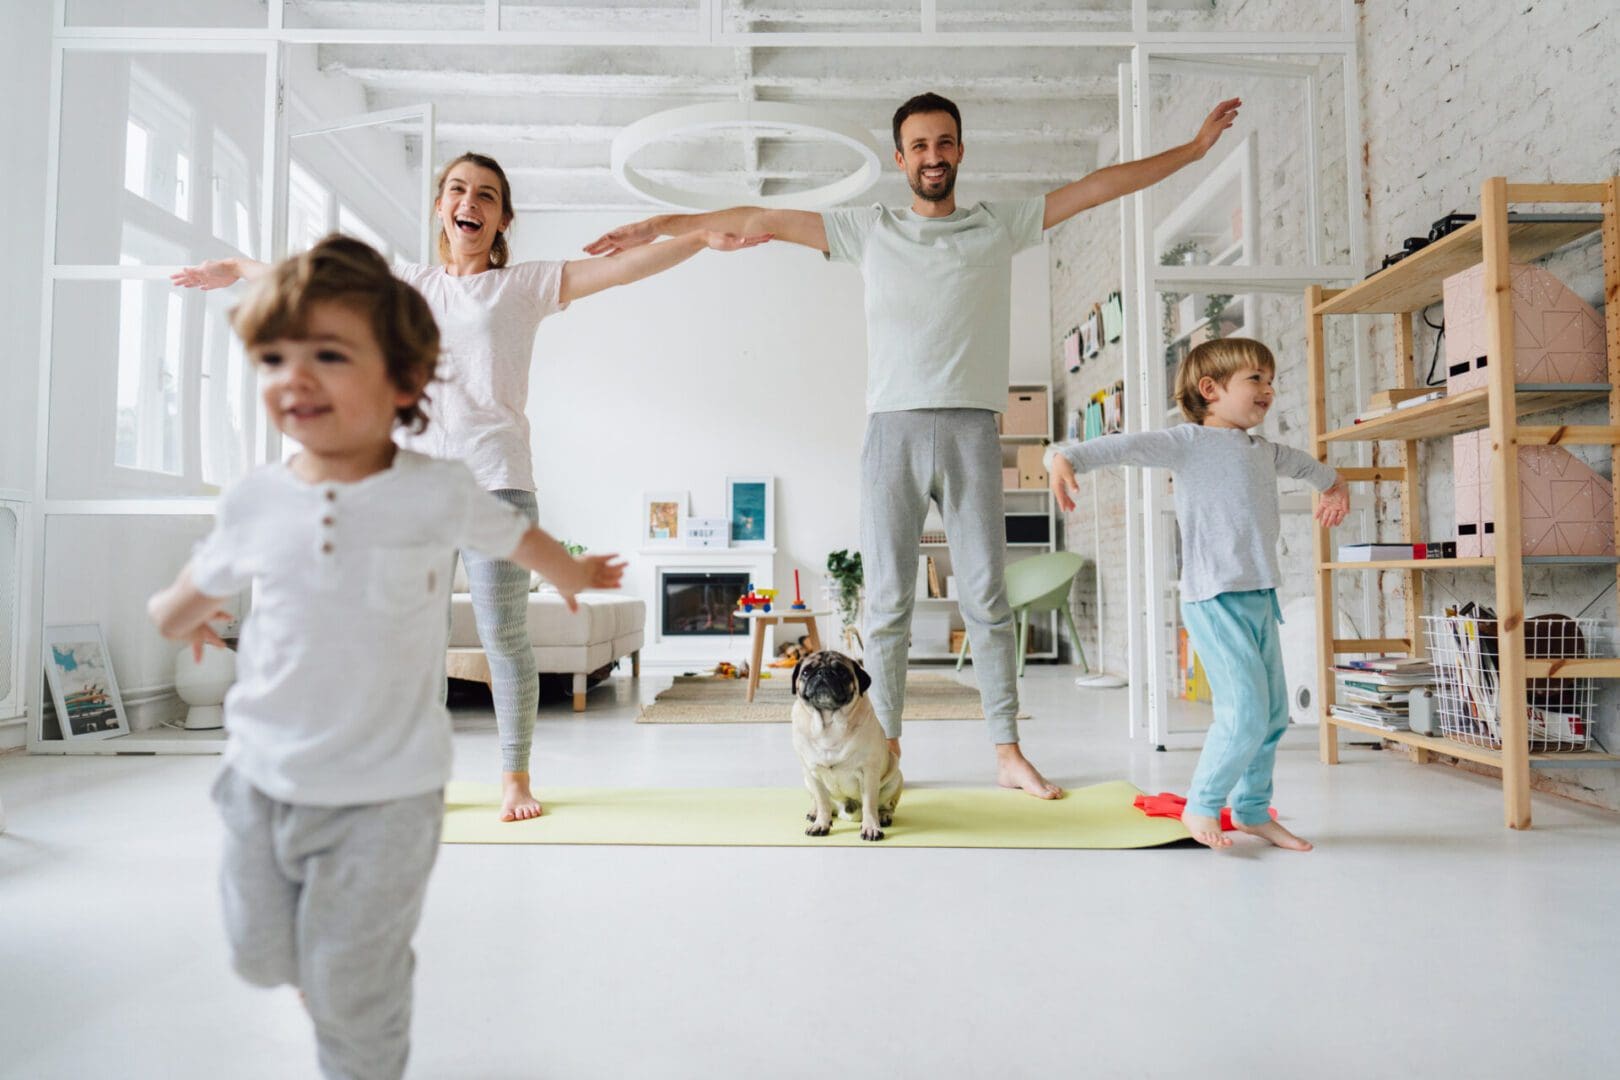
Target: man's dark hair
[925,103]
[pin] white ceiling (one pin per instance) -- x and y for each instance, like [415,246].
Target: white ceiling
[1033,117]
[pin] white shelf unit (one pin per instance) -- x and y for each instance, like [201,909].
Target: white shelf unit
[1020,502]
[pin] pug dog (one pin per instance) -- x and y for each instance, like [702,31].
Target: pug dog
[848,765]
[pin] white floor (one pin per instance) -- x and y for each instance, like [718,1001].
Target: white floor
[1420,939]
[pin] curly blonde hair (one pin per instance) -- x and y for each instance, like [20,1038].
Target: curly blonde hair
[1220,360]
[343,269]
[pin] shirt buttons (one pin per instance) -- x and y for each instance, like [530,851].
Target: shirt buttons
[328,521]
[326,548]
[331,496]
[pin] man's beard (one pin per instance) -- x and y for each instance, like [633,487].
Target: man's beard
[918,188]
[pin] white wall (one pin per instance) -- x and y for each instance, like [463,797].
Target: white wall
[744,363]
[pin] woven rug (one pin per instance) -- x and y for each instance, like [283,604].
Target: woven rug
[701,700]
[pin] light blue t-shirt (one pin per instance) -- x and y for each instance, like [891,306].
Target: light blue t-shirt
[938,299]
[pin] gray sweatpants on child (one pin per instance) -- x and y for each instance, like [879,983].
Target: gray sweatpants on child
[326,898]
[951,457]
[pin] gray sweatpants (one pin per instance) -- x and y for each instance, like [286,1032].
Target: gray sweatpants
[951,457]
[326,898]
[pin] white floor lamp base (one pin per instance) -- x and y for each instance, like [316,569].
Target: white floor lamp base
[205,718]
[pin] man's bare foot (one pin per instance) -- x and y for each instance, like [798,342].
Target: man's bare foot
[517,802]
[1013,770]
[1274,834]
[894,745]
[1205,830]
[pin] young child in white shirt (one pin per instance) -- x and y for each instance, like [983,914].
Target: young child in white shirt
[332,790]
[1226,509]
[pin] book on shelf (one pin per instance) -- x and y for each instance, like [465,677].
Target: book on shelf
[1391,663]
[936,588]
[1379,552]
[1381,405]
[1370,718]
[1373,680]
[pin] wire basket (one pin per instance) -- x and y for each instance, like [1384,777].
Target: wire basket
[1560,712]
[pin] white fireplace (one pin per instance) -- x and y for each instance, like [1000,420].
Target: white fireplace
[694,578]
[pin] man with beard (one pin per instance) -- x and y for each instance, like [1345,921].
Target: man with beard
[938,307]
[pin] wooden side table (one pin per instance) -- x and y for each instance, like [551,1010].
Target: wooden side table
[762,619]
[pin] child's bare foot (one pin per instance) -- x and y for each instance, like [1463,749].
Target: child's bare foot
[517,802]
[1013,770]
[1206,830]
[894,744]
[1276,835]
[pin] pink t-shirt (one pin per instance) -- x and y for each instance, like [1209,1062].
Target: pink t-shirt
[476,405]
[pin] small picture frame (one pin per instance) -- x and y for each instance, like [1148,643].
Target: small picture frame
[751,511]
[663,518]
[83,689]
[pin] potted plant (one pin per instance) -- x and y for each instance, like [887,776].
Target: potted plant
[844,569]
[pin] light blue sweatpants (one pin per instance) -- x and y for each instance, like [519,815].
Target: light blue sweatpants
[1236,637]
[500,598]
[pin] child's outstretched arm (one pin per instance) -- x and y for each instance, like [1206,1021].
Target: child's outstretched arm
[183,613]
[1298,465]
[218,273]
[540,552]
[1152,449]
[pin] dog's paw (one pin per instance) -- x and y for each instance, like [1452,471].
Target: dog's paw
[818,828]
[871,832]
[885,818]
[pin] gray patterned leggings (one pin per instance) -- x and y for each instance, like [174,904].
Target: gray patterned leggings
[500,598]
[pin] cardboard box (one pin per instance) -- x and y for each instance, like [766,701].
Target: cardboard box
[1031,471]
[1027,413]
[1009,478]
[1557,336]
[1565,508]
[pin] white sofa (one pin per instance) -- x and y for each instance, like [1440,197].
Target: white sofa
[606,628]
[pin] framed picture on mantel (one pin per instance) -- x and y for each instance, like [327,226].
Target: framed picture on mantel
[751,510]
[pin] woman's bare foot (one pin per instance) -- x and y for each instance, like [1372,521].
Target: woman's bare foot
[1013,770]
[1205,830]
[517,802]
[1274,834]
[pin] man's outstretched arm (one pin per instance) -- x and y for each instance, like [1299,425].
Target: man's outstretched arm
[1110,183]
[794,226]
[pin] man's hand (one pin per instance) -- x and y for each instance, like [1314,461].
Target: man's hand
[1220,118]
[1334,504]
[1062,481]
[625,237]
[724,241]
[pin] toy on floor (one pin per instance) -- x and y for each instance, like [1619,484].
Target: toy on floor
[1169,804]
[725,669]
[798,601]
[790,653]
[756,598]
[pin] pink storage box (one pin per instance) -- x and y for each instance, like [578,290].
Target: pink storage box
[1565,507]
[1557,336]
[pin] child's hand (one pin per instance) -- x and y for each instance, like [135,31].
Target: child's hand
[624,238]
[1063,483]
[724,241]
[206,635]
[1334,503]
[589,572]
[213,274]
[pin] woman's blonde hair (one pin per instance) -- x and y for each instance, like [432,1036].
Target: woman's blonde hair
[345,270]
[499,253]
[1220,360]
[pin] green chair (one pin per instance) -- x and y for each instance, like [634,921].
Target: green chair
[1039,583]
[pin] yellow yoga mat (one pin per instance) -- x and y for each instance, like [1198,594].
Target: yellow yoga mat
[1100,816]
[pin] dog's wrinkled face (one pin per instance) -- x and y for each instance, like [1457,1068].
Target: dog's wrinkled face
[829,680]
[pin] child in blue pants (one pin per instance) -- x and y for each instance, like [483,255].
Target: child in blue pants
[1226,506]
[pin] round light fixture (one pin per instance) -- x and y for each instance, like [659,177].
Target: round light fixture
[775,117]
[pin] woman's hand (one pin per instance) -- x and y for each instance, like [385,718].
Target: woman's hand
[1334,503]
[213,274]
[1062,481]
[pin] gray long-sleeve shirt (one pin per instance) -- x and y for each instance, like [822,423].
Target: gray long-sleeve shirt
[1226,497]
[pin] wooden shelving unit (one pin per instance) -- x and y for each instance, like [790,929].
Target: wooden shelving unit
[1496,238]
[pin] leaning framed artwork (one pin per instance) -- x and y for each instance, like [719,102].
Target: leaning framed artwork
[83,688]
[751,510]
[663,518]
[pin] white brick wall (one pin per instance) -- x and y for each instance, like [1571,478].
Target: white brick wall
[1451,93]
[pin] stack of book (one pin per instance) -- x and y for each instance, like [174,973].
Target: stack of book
[1376,692]
[1384,402]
